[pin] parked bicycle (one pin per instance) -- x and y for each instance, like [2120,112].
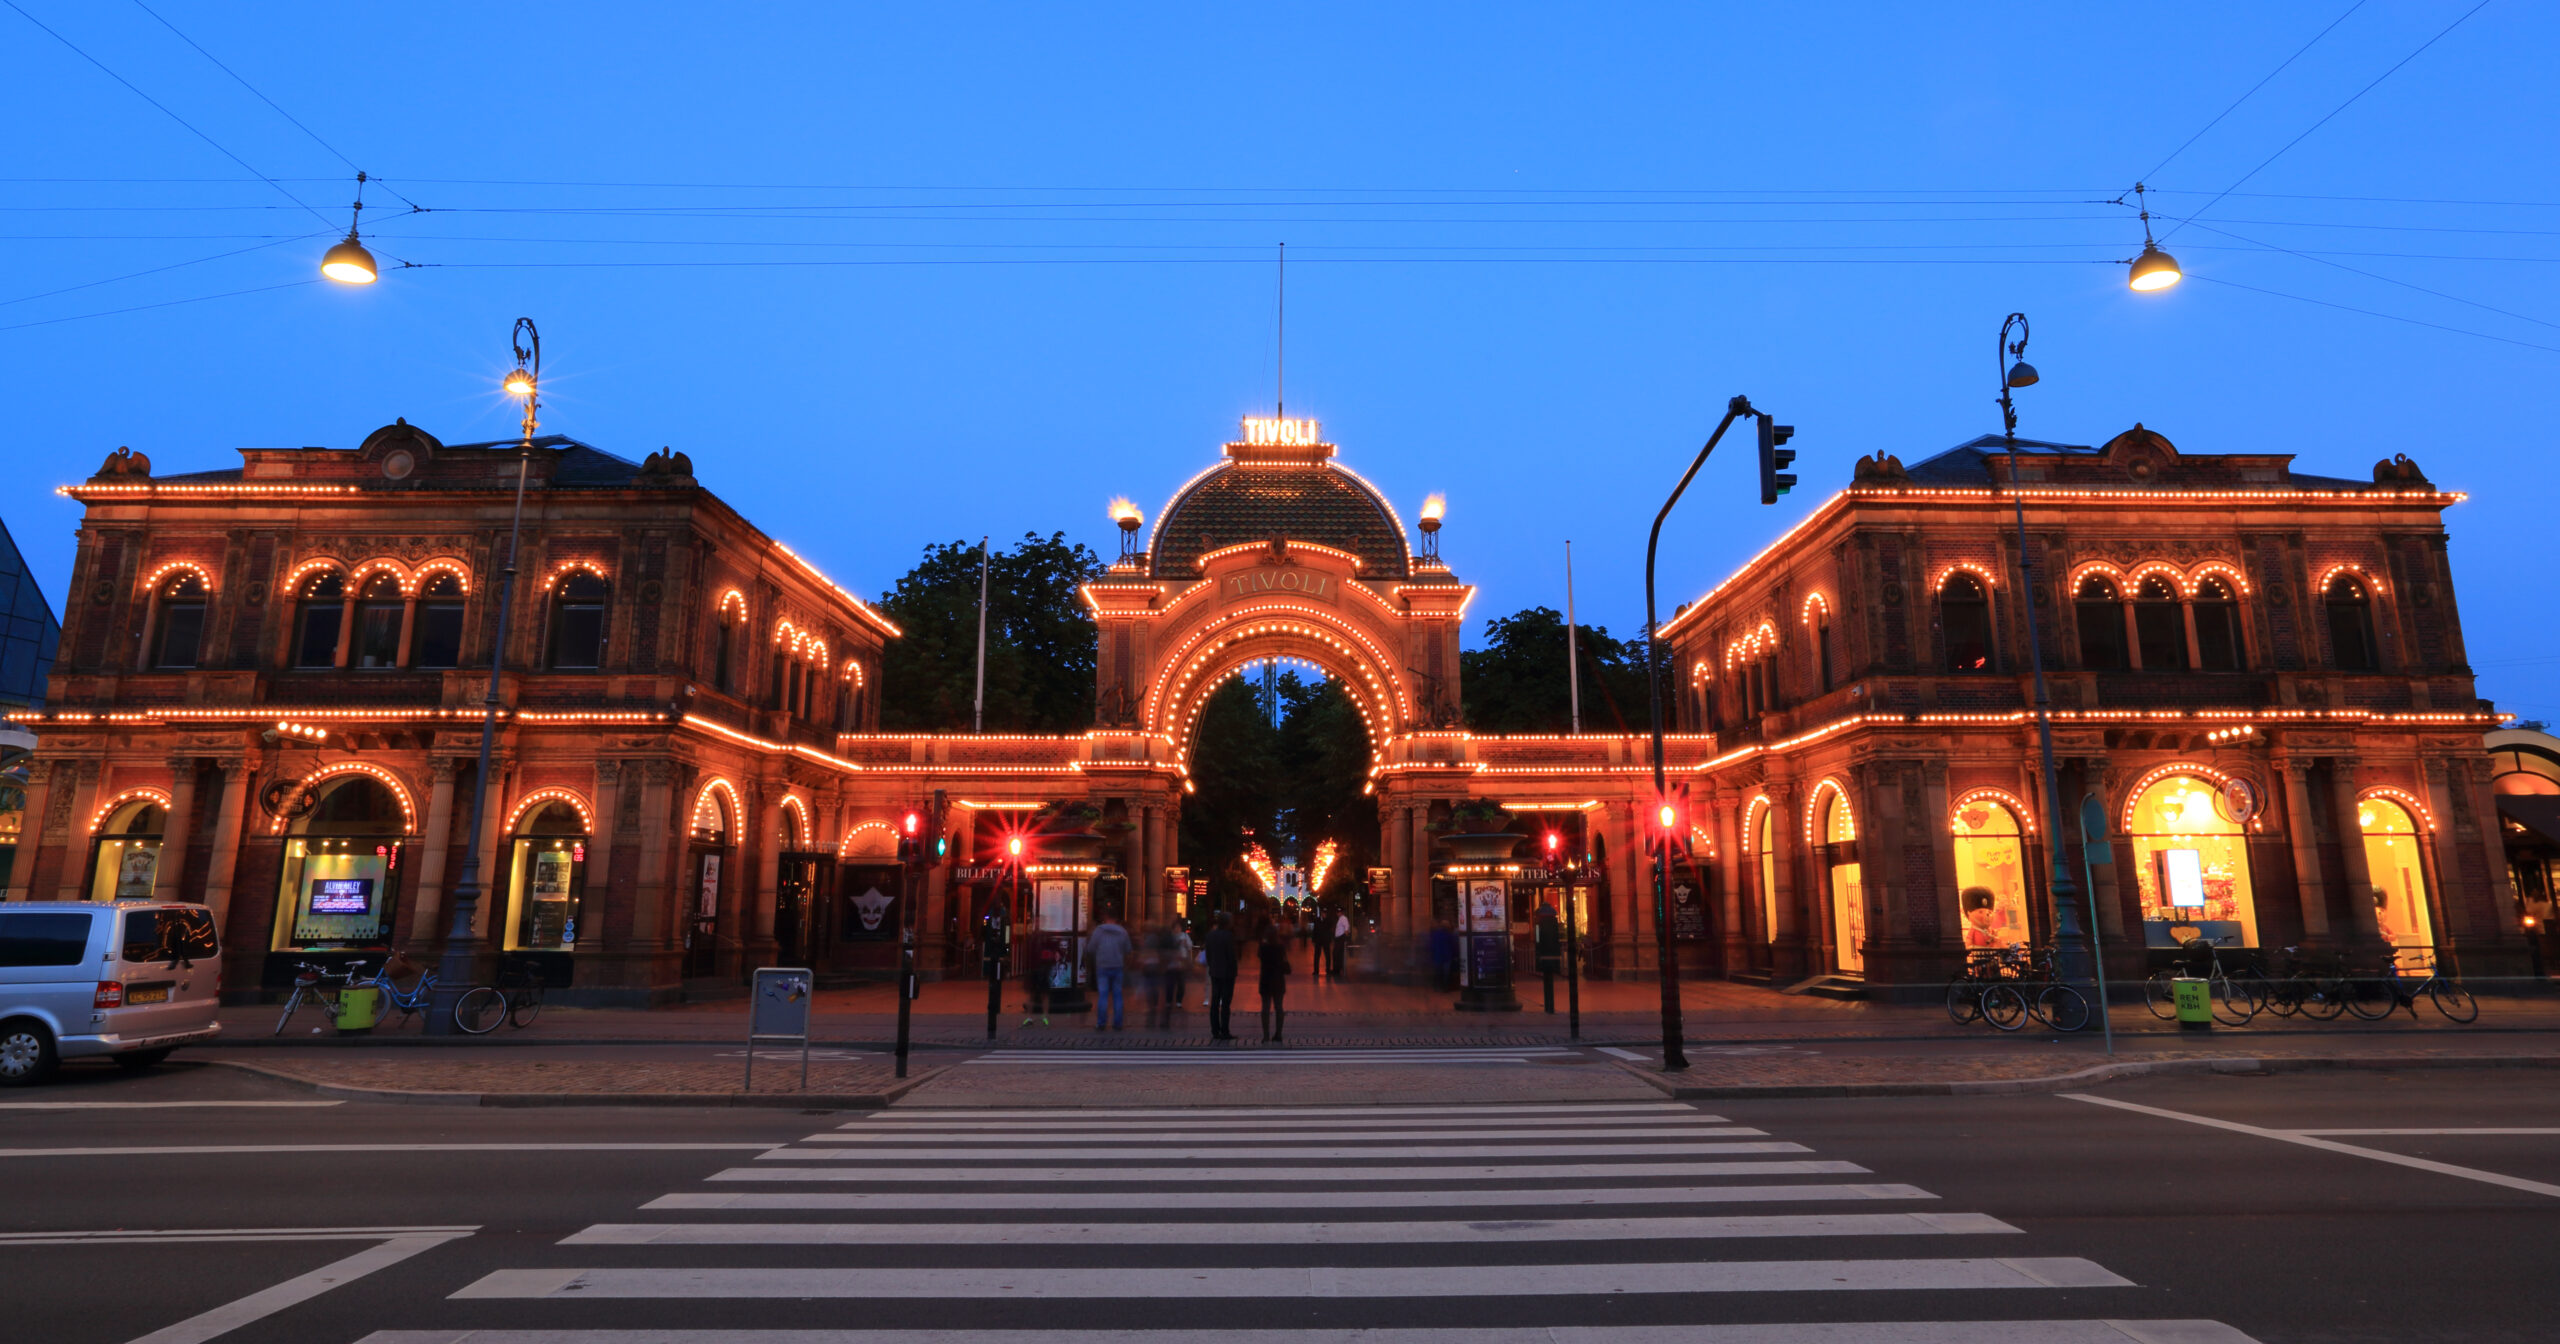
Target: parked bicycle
[2236,998]
[319,987]
[516,998]
[2313,988]
[2394,987]
[2007,986]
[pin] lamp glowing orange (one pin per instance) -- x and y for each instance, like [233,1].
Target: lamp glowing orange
[519,384]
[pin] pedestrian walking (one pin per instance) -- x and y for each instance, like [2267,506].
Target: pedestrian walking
[1319,936]
[1218,954]
[1186,954]
[1040,972]
[1275,983]
[1165,953]
[1108,947]
[1341,939]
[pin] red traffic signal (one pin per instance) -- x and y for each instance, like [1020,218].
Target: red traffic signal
[912,824]
[1669,832]
[1555,844]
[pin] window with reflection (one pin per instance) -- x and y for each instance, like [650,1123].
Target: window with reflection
[2159,626]
[1765,845]
[2217,626]
[1964,617]
[379,608]
[2099,607]
[1991,874]
[577,621]
[2191,860]
[547,879]
[342,866]
[124,853]
[319,614]
[1822,647]
[439,640]
[1848,892]
[724,653]
[2399,873]
[179,641]
[2350,610]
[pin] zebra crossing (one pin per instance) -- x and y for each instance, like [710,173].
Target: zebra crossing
[1622,1223]
[1263,1058]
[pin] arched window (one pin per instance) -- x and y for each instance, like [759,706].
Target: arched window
[1848,893]
[846,700]
[319,617]
[379,607]
[1765,845]
[547,879]
[724,651]
[577,621]
[2159,628]
[2350,625]
[1964,618]
[1822,647]
[2217,626]
[179,641]
[1991,874]
[2192,861]
[342,867]
[2100,609]
[124,854]
[439,639]
[2399,872]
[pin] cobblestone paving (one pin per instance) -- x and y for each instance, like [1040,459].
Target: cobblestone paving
[777,1071]
[1273,1079]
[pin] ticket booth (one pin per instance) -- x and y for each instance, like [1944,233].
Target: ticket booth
[1061,914]
[1480,876]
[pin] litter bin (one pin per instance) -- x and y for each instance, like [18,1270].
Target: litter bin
[2194,997]
[359,1009]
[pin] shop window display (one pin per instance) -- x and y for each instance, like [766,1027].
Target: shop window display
[1766,846]
[1848,893]
[1991,875]
[342,866]
[2399,874]
[546,879]
[2191,860]
[125,856]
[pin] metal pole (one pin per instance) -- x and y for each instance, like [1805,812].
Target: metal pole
[2075,959]
[978,710]
[906,958]
[1572,656]
[461,948]
[1573,953]
[1667,961]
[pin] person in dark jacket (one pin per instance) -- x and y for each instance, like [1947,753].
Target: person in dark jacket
[1220,950]
[1275,982]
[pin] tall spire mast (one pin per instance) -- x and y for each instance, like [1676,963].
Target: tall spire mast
[1280,354]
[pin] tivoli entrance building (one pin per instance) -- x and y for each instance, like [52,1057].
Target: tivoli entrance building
[268,700]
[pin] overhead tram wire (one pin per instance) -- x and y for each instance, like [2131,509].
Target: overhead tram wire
[2369,312]
[2376,275]
[168,303]
[2236,102]
[165,111]
[172,266]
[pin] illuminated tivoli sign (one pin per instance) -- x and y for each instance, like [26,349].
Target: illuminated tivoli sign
[1291,580]
[1274,432]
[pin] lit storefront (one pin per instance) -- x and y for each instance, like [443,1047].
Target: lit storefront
[342,868]
[1991,874]
[124,855]
[2191,859]
[547,877]
[1848,895]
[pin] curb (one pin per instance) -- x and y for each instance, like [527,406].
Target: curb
[1992,1087]
[834,1101]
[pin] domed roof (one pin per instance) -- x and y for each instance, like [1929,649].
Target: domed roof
[1258,494]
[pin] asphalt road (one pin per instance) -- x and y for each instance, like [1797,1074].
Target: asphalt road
[1045,1222]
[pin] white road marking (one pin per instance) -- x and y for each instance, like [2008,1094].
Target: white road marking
[1111,1175]
[1141,1151]
[152,1105]
[2305,1140]
[1286,1234]
[1132,1059]
[2386,1132]
[1124,1136]
[1042,1128]
[1625,1054]
[123,1236]
[1291,1199]
[1863,1332]
[926,1115]
[301,1149]
[1269,1054]
[295,1291]
[1402,1282]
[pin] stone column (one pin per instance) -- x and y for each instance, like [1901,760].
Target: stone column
[1151,881]
[1789,956]
[2365,925]
[22,871]
[174,836]
[1631,879]
[768,888]
[426,908]
[493,845]
[228,812]
[75,832]
[2307,880]
[1418,911]
[650,931]
[1725,823]
[598,896]
[2100,858]
[1397,841]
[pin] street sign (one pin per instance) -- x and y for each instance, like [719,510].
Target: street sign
[779,1012]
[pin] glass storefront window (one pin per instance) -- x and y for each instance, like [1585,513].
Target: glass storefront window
[342,866]
[1848,897]
[1766,845]
[125,857]
[1991,875]
[2399,875]
[2192,863]
[546,880]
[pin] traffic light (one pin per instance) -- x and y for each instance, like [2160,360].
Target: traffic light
[908,848]
[1013,848]
[1669,832]
[1774,481]
[937,842]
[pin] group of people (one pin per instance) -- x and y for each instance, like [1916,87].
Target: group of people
[1162,960]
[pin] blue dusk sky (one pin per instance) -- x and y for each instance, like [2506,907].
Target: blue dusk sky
[902,274]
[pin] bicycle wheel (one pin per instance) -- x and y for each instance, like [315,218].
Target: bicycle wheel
[2004,1007]
[291,1005]
[1964,1000]
[2454,1001]
[2158,996]
[2063,1008]
[2372,997]
[523,1006]
[2233,1005]
[2326,999]
[2285,997]
[480,1011]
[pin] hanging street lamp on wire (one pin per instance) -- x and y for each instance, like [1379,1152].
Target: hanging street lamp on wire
[2154,269]
[349,263]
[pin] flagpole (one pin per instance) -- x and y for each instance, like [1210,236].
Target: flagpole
[1572,657]
[978,710]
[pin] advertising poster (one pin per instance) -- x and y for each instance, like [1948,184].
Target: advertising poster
[134,874]
[870,896]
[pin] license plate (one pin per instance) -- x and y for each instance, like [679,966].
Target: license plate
[147,994]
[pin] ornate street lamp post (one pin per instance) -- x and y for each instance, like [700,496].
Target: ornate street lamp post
[461,946]
[2075,958]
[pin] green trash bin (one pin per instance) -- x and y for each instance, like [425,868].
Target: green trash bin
[2194,997]
[359,1009]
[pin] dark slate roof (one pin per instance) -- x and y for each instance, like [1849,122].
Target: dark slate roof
[1968,463]
[1235,504]
[579,466]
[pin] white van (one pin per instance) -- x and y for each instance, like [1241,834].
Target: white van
[131,980]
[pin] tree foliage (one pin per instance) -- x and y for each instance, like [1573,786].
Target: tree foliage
[1041,642]
[1517,682]
[1296,783]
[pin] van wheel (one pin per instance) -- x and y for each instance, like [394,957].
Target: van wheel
[142,1059]
[26,1052]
